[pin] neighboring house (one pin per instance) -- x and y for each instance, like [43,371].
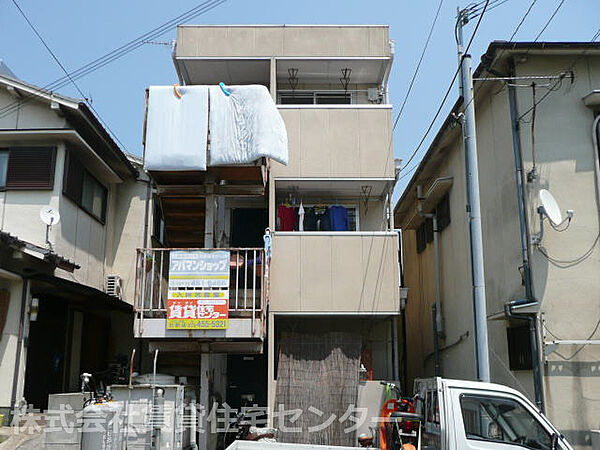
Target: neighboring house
[58,315]
[558,149]
[330,86]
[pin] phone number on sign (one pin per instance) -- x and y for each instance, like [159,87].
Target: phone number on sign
[196,324]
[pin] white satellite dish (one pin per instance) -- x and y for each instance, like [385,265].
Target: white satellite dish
[49,215]
[551,208]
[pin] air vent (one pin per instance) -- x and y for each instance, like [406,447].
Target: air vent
[113,286]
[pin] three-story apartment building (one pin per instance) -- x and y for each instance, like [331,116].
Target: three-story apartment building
[324,287]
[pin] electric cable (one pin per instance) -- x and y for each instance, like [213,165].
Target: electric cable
[115,54]
[568,70]
[414,76]
[439,110]
[568,358]
[566,264]
[66,72]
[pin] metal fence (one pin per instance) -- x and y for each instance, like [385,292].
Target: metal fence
[246,281]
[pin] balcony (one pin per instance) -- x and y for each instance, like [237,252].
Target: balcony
[244,294]
[335,272]
[337,141]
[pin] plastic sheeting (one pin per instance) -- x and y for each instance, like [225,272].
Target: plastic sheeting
[176,128]
[245,126]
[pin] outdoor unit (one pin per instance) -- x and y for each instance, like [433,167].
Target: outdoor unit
[113,286]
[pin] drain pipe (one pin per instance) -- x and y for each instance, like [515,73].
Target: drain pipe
[538,377]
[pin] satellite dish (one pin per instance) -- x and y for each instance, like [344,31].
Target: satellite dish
[551,208]
[49,215]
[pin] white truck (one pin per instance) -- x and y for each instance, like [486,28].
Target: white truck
[461,415]
[458,415]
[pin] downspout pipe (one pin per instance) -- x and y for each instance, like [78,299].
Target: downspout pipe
[536,363]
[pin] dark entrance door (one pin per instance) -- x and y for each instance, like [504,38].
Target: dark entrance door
[248,227]
[46,353]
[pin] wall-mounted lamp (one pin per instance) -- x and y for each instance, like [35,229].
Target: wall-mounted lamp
[34,309]
[293,78]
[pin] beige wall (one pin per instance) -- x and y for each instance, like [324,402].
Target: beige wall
[126,232]
[289,40]
[334,272]
[338,141]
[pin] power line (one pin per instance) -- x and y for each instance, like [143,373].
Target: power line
[439,110]
[549,20]
[66,72]
[412,81]
[117,53]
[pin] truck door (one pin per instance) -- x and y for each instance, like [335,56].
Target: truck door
[495,420]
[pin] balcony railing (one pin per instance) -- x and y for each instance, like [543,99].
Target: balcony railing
[245,303]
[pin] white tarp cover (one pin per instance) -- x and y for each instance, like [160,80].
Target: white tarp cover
[245,126]
[176,128]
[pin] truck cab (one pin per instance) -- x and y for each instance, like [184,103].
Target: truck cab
[459,415]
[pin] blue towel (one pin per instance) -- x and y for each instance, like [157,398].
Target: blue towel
[339,218]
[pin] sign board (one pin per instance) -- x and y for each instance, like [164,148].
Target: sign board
[198,297]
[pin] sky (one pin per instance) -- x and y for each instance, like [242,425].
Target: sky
[80,31]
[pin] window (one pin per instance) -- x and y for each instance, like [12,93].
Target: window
[502,420]
[86,191]
[27,167]
[519,348]
[442,211]
[315,98]
[424,234]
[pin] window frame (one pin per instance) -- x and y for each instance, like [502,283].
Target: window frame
[52,169]
[79,202]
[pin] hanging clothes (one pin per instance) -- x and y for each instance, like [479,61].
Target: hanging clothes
[339,218]
[323,220]
[301,217]
[287,218]
[310,222]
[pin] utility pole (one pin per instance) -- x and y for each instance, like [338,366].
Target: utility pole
[473,205]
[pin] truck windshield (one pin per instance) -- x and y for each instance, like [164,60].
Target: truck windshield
[502,420]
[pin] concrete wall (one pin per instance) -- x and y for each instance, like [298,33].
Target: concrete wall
[328,141]
[288,40]
[343,272]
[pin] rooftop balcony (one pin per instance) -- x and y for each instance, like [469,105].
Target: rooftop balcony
[253,53]
[243,293]
[335,273]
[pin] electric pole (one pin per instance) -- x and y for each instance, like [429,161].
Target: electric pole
[473,204]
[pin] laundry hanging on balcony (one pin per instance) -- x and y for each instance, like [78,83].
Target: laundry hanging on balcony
[243,123]
[176,128]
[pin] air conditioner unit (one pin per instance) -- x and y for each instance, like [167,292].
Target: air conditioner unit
[113,286]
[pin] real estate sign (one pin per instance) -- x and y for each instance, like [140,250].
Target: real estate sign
[198,296]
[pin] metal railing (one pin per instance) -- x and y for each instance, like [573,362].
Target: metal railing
[246,281]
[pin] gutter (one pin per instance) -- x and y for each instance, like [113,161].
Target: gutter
[95,124]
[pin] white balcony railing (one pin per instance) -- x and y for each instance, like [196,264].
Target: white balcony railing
[246,293]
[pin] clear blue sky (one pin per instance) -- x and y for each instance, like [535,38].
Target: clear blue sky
[78,31]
